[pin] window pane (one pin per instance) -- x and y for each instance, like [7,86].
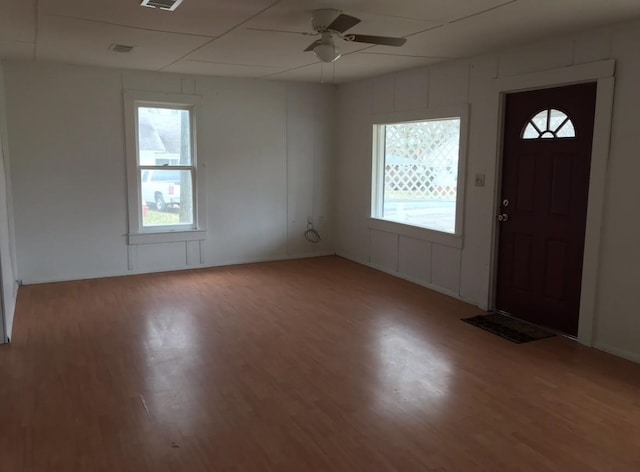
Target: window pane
[421,173]
[567,130]
[163,136]
[556,118]
[530,132]
[166,197]
[541,120]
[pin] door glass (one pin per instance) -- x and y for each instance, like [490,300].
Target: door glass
[549,124]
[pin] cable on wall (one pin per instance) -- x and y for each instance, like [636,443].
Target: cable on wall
[311,234]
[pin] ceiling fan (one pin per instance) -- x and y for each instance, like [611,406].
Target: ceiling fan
[331,24]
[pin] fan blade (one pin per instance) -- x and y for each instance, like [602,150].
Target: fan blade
[381,40]
[304,33]
[312,45]
[343,23]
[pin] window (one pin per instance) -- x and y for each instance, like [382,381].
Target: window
[162,168]
[416,172]
[549,124]
[166,166]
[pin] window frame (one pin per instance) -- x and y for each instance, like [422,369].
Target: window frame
[376,221]
[139,234]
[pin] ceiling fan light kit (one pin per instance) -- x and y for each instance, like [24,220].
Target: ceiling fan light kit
[332,23]
[326,50]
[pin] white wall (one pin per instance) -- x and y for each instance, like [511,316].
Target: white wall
[264,145]
[466,271]
[269,163]
[7,248]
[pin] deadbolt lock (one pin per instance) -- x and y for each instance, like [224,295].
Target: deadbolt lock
[505,203]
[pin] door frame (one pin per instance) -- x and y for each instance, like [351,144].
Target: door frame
[3,330]
[603,74]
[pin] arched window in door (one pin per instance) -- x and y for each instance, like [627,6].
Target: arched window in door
[549,124]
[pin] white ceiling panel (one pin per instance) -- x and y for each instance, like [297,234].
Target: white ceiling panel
[296,16]
[223,70]
[358,66]
[18,20]
[200,17]
[362,65]
[228,37]
[259,48]
[430,44]
[318,72]
[437,11]
[431,10]
[83,42]
[518,23]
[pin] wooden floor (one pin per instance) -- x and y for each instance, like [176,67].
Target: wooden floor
[317,364]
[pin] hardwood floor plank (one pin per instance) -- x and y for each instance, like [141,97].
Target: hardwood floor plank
[316,364]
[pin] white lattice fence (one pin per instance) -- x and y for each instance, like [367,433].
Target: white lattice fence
[417,181]
[421,160]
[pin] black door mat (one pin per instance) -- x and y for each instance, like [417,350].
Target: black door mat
[509,328]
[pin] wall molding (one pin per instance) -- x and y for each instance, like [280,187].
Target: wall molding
[399,275]
[416,232]
[179,269]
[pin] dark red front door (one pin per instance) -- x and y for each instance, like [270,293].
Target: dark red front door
[545,184]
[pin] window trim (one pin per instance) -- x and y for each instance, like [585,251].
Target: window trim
[168,233]
[377,174]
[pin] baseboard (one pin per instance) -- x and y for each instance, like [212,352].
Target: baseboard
[352,259]
[273,259]
[630,356]
[10,307]
[176,269]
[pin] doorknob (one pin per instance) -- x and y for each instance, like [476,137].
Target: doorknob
[503,217]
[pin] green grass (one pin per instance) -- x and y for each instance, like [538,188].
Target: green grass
[161,218]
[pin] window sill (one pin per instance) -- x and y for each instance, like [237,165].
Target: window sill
[416,232]
[167,237]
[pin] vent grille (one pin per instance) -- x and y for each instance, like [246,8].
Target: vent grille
[123,48]
[168,5]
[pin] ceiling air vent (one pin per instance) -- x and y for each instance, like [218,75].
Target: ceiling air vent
[169,5]
[123,48]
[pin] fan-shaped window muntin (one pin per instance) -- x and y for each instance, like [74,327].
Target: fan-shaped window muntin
[549,124]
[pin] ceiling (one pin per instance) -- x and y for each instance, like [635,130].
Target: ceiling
[230,37]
